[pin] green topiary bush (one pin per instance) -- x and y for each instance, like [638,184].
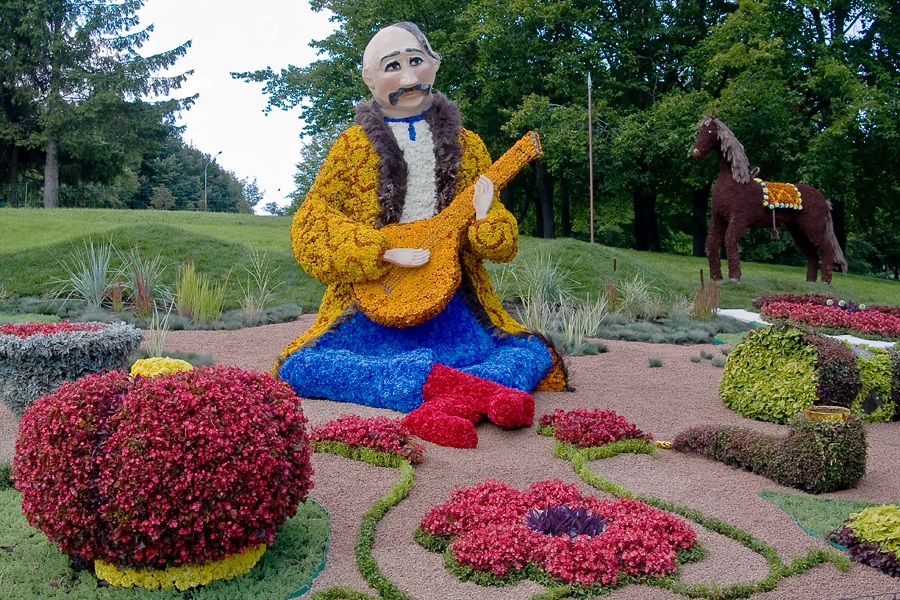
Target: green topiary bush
[875,401]
[777,372]
[817,456]
[894,354]
[36,358]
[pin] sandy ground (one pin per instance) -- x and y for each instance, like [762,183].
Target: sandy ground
[662,401]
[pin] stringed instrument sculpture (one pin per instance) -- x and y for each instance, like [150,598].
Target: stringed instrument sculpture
[407,296]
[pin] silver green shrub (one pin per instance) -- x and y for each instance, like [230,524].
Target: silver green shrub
[33,366]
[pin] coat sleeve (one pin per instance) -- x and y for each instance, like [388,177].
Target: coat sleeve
[495,237]
[331,234]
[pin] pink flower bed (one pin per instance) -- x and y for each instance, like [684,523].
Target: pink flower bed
[873,320]
[585,428]
[24,330]
[378,433]
[176,469]
[488,525]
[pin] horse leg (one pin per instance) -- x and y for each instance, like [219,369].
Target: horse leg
[809,251]
[713,244]
[733,235]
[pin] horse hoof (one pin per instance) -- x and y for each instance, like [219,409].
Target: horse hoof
[735,279]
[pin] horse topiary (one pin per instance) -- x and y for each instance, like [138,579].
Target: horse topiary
[739,201]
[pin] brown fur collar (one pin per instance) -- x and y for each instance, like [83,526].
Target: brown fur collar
[445,122]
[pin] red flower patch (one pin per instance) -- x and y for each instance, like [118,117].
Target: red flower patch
[488,524]
[827,313]
[378,433]
[24,330]
[585,428]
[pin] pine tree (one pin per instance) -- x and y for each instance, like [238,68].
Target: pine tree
[73,64]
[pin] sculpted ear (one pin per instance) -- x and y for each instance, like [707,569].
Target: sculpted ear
[367,77]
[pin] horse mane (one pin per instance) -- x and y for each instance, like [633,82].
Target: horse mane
[732,150]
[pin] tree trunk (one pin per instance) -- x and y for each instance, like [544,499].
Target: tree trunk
[14,177]
[535,200]
[839,216]
[51,174]
[699,220]
[544,184]
[646,230]
[565,215]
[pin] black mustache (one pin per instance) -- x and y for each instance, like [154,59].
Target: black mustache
[395,95]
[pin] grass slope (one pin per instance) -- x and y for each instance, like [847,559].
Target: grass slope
[35,240]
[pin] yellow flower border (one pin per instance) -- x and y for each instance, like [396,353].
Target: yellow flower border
[182,577]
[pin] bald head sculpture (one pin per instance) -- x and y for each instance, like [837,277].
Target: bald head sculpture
[399,68]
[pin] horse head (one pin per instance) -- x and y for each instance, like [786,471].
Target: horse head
[707,138]
[715,135]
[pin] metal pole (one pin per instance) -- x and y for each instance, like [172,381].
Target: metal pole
[591,155]
[205,170]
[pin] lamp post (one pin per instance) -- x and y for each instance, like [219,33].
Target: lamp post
[205,170]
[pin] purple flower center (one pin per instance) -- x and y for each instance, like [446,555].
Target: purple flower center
[565,520]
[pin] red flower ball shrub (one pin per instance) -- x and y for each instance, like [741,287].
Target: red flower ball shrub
[176,469]
[585,428]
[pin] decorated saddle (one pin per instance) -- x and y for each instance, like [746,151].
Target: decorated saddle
[780,195]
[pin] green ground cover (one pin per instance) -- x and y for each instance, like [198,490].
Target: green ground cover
[31,568]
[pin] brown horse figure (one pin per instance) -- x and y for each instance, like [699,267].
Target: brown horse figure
[739,201]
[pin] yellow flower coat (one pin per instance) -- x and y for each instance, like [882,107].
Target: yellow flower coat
[335,240]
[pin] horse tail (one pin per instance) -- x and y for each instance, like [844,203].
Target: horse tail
[839,259]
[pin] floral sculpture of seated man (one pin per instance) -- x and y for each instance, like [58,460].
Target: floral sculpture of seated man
[404,160]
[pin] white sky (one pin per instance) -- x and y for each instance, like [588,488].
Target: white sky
[234,36]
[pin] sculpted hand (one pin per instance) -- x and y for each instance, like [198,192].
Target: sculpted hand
[484,195]
[407,257]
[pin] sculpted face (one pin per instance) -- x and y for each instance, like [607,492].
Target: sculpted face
[399,72]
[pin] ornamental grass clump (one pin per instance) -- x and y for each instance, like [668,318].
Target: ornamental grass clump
[872,537]
[817,456]
[36,357]
[197,297]
[87,274]
[183,469]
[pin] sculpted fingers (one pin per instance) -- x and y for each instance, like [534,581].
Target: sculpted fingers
[483,196]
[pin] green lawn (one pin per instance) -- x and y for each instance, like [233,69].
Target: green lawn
[36,241]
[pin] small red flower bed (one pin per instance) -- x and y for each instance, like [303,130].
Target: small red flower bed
[24,330]
[378,433]
[488,525]
[585,428]
[830,314]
